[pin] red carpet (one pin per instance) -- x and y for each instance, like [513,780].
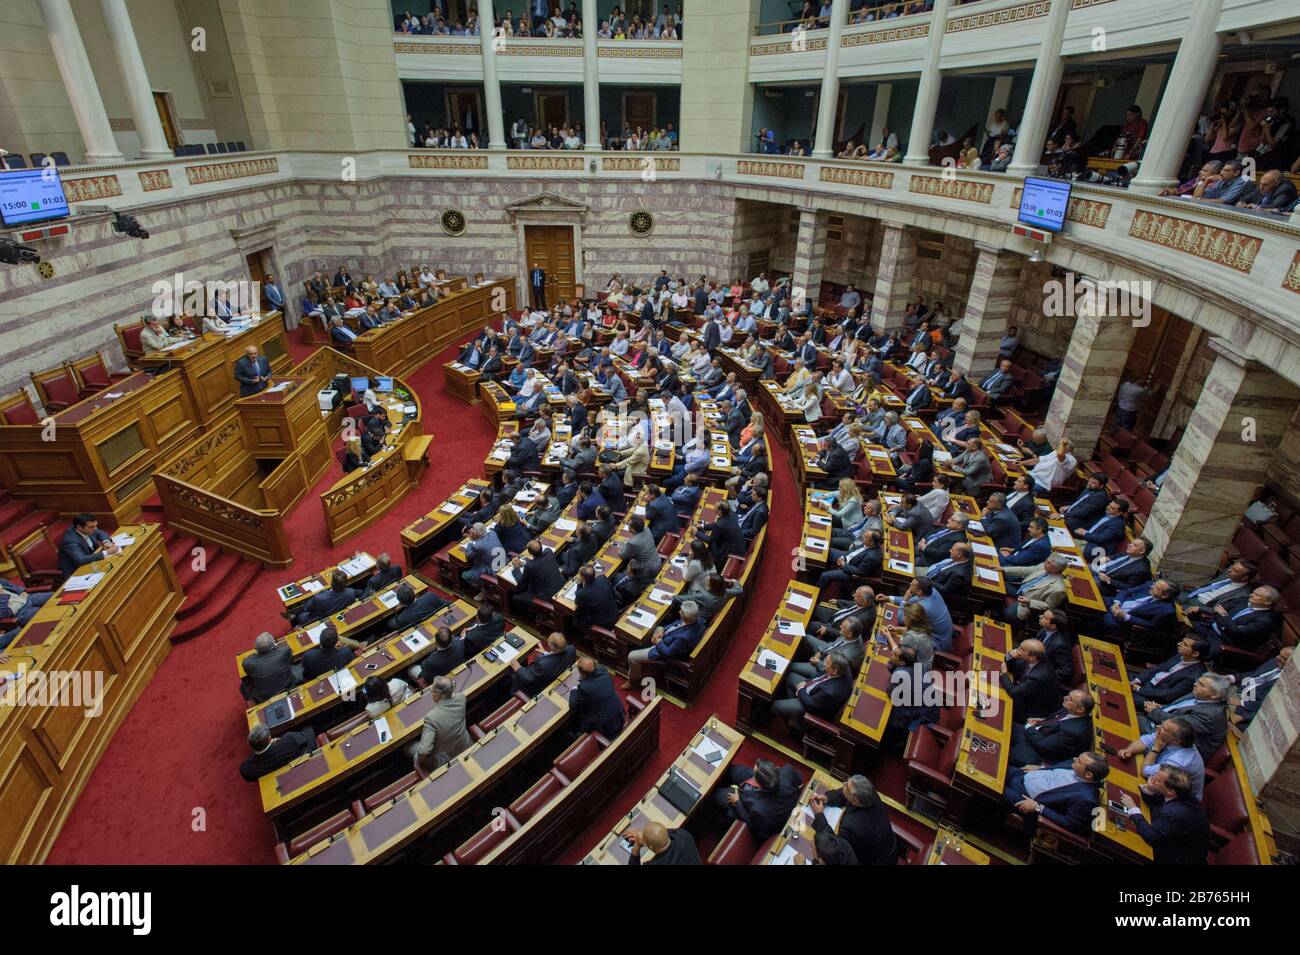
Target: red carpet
[167,789]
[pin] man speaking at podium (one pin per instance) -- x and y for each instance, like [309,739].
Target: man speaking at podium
[252,371]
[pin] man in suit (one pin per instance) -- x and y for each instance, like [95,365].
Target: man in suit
[1251,627]
[670,846]
[919,397]
[1053,624]
[1028,678]
[1178,832]
[1147,605]
[1062,735]
[952,575]
[957,386]
[270,670]
[340,334]
[847,642]
[539,578]
[327,602]
[1130,569]
[538,675]
[1065,793]
[1205,708]
[1172,744]
[999,382]
[594,601]
[1230,590]
[1031,551]
[594,706]
[386,574]
[83,543]
[821,695]
[724,535]
[640,546]
[923,591]
[854,566]
[487,628]
[1106,533]
[414,610]
[1089,505]
[327,656]
[1000,524]
[525,455]
[537,279]
[834,461]
[1175,677]
[828,616]
[484,553]
[443,735]
[270,754]
[252,371]
[1043,587]
[1020,501]
[1252,687]
[762,797]
[910,515]
[864,823]
[938,544]
[753,519]
[448,653]
[672,642]
[661,513]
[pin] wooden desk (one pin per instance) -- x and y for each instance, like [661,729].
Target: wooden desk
[653,807]
[1082,590]
[981,768]
[778,646]
[814,548]
[462,381]
[403,346]
[803,454]
[115,638]
[1115,725]
[794,843]
[434,801]
[426,534]
[349,622]
[607,560]
[951,848]
[498,404]
[385,658]
[899,562]
[355,569]
[277,418]
[315,773]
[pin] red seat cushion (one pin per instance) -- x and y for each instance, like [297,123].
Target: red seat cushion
[578,756]
[323,830]
[736,847]
[537,797]
[131,336]
[485,840]
[389,791]
[1225,805]
[1240,851]
[61,389]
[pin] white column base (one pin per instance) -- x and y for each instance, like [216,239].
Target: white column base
[156,154]
[917,160]
[1150,187]
[96,159]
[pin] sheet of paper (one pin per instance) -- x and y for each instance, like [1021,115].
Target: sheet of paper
[343,682]
[984,550]
[975,526]
[986,574]
[382,728]
[314,631]
[772,661]
[505,652]
[902,566]
[640,617]
[802,601]
[451,507]
[123,540]
[415,640]
[813,543]
[709,751]
[791,628]
[833,814]
[313,587]
[1060,537]
[786,856]
[81,582]
[565,525]
[389,599]
[661,596]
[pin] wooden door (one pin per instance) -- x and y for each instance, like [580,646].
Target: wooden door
[463,110]
[1153,359]
[639,110]
[552,246]
[162,102]
[552,110]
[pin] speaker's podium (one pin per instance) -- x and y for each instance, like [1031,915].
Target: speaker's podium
[280,417]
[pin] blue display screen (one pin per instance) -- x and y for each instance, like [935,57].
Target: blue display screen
[31,195]
[1043,203]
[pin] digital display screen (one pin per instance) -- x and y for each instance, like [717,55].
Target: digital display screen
[1043,203]
[31,195]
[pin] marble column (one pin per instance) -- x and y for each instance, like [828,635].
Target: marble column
[79,81]
[139,91]
[927,93]
[1270,750]
[590,78]
[893,276]
[1046,82]
[491,85]
[810,253]
[1243,410]
[1189,80]
[1093,364]
[988,310]
[828,102]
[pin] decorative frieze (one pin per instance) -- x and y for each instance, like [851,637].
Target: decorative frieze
[91,188]
[458,161]
[857,176]
[779,170]
[963,189]
[222,171]
[151,180]
[1211,243]
[545,163]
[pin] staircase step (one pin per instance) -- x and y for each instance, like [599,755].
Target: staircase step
[200,585]
[180,549]
[29,522]
[12,510]
[236,583]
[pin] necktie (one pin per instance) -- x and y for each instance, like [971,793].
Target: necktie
[1117,563]
[942,565]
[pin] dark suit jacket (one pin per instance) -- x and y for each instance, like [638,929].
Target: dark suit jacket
[595,707]
[537,676]
[270,673]
[317,662]
[1070,807]
[1086,508]
[422,608]
[752,521]
[1172,687]
[836,463]
[825,698]
[323,604]
[661,514]
[1060,654]
[595,604]
[247,372]
[541,575]
[1251,631]
[1003,528]
[1024,510]
[482,635]
[1064,738]
[1035,691]
[954,580]
[681,851]
[443,659]
[866,828]
[725,538]
[281,752]
[1178,833]
[938,545]
[766,812]
[1209,719]
[73,550]
[1133,574]
[525,456]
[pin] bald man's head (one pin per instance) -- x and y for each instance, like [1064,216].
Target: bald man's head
[655,836]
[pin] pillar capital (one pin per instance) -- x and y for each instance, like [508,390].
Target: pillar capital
[1226,349]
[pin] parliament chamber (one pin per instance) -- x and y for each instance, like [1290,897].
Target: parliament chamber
[894,464]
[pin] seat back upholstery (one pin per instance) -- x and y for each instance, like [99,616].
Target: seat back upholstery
[736,847]
[536,798]
[1225,804]
[1241,850]
[579,755]
[322,830]
[56,387]
[18,409]
[477,846]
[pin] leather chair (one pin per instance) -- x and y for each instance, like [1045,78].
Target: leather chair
[1240,851]
[963,642]
[538,796]
[494,719]
[912,848]
[56,387]
[931,756]
[18,409]
[317,833]
[1225,808]
[570,764]
[820,739]
[736,847]
[1052,843]
[93,375]
[368,804]
[37,559]
[342,729]
[479,845]
[130,338]
[547,616]
[493,593]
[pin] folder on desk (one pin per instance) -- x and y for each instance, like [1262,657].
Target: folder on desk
[679,792]
[81,582]
[279,712]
